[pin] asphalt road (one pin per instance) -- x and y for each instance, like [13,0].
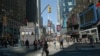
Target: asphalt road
[15,52]
[61,53]
[78,53]
[80,50]
[73,50]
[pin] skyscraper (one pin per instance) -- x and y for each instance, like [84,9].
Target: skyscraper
[64,7]
[31,10]
[12,16]
[33,14]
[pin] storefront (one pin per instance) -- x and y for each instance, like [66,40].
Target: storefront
[90,31]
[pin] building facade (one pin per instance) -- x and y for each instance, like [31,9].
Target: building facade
[78,21]
[12,16]
[28,33]
[64,7]
[33,13]
[41,22]
[31,10]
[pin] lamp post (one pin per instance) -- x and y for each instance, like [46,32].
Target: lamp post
[37,30]
[37,26]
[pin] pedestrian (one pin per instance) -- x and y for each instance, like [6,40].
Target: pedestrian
[95,38]
[27,43]
[55,44]
[45,47]
[35,44]
[38,44]
[90,36]
[61,43]
[5,43]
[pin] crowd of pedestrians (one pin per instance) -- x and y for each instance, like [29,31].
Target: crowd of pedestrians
[39,44]
[43,43]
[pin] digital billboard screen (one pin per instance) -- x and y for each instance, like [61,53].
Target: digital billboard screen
[58,27]
[81,19]
[89,16]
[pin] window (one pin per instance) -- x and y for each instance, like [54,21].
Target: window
[70,3]
[29,33]
[63,4]
[22,33]
[70,8]
[26,33]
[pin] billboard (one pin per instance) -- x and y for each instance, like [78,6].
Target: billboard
[58,27]
[88,17]
[81,20]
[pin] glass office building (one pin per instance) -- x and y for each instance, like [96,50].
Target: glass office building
[64,7]
[12,16]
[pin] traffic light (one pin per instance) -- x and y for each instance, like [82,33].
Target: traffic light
[49,9]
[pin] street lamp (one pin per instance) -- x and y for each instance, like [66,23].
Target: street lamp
[37,26]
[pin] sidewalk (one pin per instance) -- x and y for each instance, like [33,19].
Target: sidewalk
[52,50]
[17,48]
[82,47]
[70,49]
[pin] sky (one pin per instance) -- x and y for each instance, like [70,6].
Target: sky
[53,14]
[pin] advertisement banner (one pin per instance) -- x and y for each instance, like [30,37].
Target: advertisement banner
[58,27]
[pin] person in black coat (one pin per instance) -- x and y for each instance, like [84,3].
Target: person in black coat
[27,43]
[35,44]
[45,47]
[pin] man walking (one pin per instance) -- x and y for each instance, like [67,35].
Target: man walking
[54,44]
[61,43]
[45,47]
[35,44]
[27,43]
